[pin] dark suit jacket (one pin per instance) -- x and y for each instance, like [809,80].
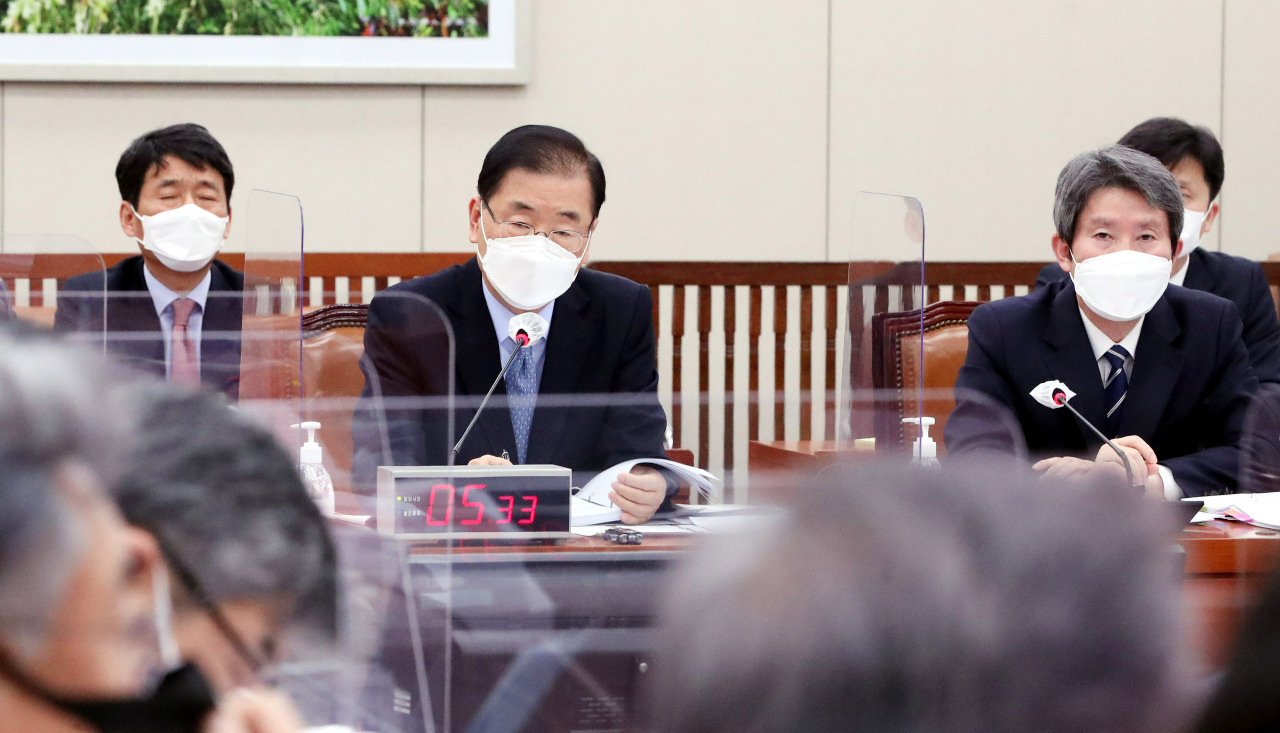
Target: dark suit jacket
[601,345]
[131,314]
[1240,281]
[1188,394]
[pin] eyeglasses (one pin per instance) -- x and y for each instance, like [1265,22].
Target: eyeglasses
[572,241]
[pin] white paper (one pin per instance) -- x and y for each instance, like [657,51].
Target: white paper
[591,505]
[1262,510]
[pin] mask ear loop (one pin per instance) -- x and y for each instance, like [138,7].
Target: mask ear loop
[202,599]
[169,654]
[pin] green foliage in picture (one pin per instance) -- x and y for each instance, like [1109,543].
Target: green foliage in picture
[423,18]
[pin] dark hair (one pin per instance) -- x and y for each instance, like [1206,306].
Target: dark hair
[218,490]
[541,149]
[1169,140]
[189,142]
[1115,167]
[1010,603]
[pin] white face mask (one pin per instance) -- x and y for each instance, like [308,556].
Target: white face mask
[184,239]
[1121,286]
[1191,223]
[529,271]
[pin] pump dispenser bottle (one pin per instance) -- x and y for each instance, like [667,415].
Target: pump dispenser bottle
[314,476]
[924,451]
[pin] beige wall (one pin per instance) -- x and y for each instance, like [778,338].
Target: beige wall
[730,129]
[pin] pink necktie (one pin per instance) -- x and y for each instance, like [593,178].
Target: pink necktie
[185,366]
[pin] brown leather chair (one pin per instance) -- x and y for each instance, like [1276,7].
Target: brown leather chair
[896,368]
[332,343]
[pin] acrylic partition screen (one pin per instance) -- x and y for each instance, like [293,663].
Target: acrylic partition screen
[886,288]
[271,324]
[41,272]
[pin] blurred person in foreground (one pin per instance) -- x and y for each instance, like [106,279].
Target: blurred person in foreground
[84,640]
[897,600]
[245,540]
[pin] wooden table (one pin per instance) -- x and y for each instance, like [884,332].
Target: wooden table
[1228,565]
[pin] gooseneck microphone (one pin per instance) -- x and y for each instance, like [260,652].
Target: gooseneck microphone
[1055,394]
[525,329]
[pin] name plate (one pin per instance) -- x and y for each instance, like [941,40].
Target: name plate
[474,502]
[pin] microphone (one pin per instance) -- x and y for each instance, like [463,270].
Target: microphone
[526,330]
[1054,394]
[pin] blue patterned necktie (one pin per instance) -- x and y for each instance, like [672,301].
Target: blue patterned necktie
[1115,387]
[522,392]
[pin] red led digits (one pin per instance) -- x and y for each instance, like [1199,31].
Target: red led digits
[478,506]
[506,510]
[448,505]
[531,510]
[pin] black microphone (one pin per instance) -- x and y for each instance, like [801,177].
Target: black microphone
[1060,399]
[524,329]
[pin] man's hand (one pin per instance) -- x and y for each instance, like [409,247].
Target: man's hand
[638,493]
[1064,466]
[488,460]
[254,711]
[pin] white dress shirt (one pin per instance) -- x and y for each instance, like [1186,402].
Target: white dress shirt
[162,297]
[1101,343]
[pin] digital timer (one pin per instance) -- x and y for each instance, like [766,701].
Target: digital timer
[474,502]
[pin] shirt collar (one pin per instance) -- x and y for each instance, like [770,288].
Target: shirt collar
[1179,277]
[502,316]
[1100,342]
[163,297]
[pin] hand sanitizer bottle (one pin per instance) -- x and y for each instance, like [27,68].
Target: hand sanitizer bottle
[924,451]
[314,476]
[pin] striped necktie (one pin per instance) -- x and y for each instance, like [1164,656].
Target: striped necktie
[184,365]
[1115,387]
[522,393]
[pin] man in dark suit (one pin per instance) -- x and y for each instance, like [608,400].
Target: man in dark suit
[1194,157]
[1162,370]
[539,197]
[173,310]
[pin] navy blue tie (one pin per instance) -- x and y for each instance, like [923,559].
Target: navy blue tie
[522,392]
[1115,387]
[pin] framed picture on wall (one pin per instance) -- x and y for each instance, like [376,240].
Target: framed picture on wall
[266,41]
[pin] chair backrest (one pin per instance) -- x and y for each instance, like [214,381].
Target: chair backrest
[896,368]
[332,343]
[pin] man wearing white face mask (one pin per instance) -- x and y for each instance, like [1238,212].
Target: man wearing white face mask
[1194,157]
[1161,370]
[173,310]
[537,205]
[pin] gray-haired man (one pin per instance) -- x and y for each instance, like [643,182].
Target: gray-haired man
[1162,370]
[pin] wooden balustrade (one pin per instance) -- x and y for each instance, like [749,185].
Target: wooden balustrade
[812,291]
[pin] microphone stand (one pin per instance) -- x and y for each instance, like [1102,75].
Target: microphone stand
[522,341]
[1128,470]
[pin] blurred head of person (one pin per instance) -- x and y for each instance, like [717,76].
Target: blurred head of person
[893,600]
[77,602]
[250,552]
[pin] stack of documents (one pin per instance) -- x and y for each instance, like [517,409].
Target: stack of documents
[591,505]
[1261,510]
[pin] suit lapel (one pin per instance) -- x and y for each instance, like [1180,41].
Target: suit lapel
[478,363]
[1156,366]
[569,344]
[220,334]
[130,313]
[1198,275]
[1070,360]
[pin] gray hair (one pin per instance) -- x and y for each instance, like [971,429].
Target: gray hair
[1115,167]
[224,498]
[57,407]
[891,600]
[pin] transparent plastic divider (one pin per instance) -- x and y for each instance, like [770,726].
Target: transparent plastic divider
[34,270]
[886,276]
[270,379]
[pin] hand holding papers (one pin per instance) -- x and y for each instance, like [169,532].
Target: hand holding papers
[591,505]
